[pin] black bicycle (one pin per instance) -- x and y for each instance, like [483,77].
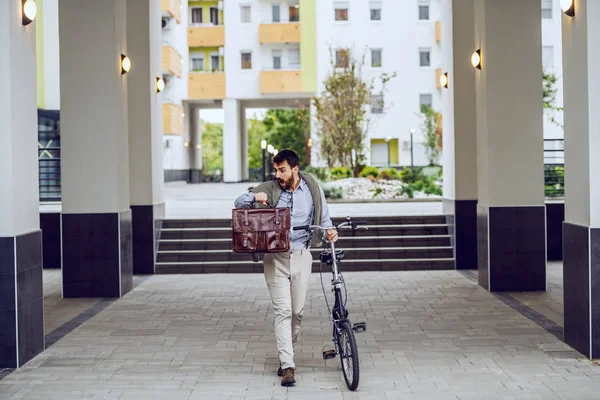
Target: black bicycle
[343,331]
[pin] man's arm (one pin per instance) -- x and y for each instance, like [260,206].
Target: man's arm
[244,201]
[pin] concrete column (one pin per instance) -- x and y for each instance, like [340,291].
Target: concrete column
[145,131]
[21,294]
[232,145]
[96,219]
[581,229]
[195,151]
[510,181]
[459,157]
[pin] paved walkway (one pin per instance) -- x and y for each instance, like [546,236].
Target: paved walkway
[431,335]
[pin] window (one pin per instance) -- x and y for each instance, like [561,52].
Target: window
[425,101]
[247,60]
[245,12]
[197,62]
[377,104]
[276,11]
[424,12]
[547,9]
[425,57]
[215,65]
[196,15]
[341,11]
[214,15]
[548,57]
[376,58]
[294,58]
[276,59]
[375,10]
[341,58]
[294,13]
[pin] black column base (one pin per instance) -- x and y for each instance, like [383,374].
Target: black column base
[581,285]
[555,216]
[461,217]
[146,226]
[511,248]
[51,237]
[97,255]
[21,299]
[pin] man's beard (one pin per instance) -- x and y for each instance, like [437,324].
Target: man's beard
[287,185]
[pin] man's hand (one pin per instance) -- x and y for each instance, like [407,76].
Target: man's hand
[332,235]
[260,198]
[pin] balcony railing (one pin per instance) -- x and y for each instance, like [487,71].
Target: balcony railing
[206,86]
[281,81]
[207,36]
[288,32]
[172,9]
[171,61]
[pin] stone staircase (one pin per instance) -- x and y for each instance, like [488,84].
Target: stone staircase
[197,246]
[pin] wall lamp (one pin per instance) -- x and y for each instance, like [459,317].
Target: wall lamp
[160,85]
[125,64]
[444,80]
[28,11]
[476,59]
[568,7]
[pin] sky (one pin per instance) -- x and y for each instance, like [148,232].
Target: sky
[218,116]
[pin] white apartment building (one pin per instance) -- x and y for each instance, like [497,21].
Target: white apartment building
[240,54]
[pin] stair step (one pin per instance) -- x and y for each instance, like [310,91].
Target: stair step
[351,254]
[347,265]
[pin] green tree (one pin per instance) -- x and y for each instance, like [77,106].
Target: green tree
[342,109]
[289,129]
[431,130]
[212,148]
[256,132]
[549,96]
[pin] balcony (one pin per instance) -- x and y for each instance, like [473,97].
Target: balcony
[281,81]
[279,33]
[206,36]
[171,61]
[172,119]
[171,9]
[438,31]
[206,85]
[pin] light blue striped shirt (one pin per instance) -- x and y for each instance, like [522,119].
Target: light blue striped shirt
[301,203]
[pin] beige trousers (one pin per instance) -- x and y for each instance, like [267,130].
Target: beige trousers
[287,276]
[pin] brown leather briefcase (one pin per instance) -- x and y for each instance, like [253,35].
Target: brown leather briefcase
[261,230]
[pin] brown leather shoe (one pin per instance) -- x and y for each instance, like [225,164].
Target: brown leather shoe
[288,377]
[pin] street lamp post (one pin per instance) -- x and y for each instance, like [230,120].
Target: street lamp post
[263,146]
[270,150]
[412,131]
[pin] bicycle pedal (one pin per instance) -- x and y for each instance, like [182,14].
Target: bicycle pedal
[329,354]
[360,327]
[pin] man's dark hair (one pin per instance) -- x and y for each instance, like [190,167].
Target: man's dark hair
[286,155]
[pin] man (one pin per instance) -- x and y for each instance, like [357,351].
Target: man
[287,274]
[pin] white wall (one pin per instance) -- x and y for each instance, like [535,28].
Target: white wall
[400,34]
[19,204]
[51,55]
[552,37]
[175,157]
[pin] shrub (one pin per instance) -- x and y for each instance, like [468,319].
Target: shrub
[390,174]
[340,173]
[415,181]
[369,172]
[333,193]
[321,174]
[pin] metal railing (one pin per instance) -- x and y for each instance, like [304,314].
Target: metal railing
[49,168]
[554,167]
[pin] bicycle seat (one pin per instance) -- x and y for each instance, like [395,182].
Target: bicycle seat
[326,256]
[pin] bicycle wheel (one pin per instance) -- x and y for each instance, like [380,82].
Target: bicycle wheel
[348,355]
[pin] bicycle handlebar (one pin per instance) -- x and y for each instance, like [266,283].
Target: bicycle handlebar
[348,224]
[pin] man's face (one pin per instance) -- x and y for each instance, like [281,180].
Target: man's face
[285,175]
